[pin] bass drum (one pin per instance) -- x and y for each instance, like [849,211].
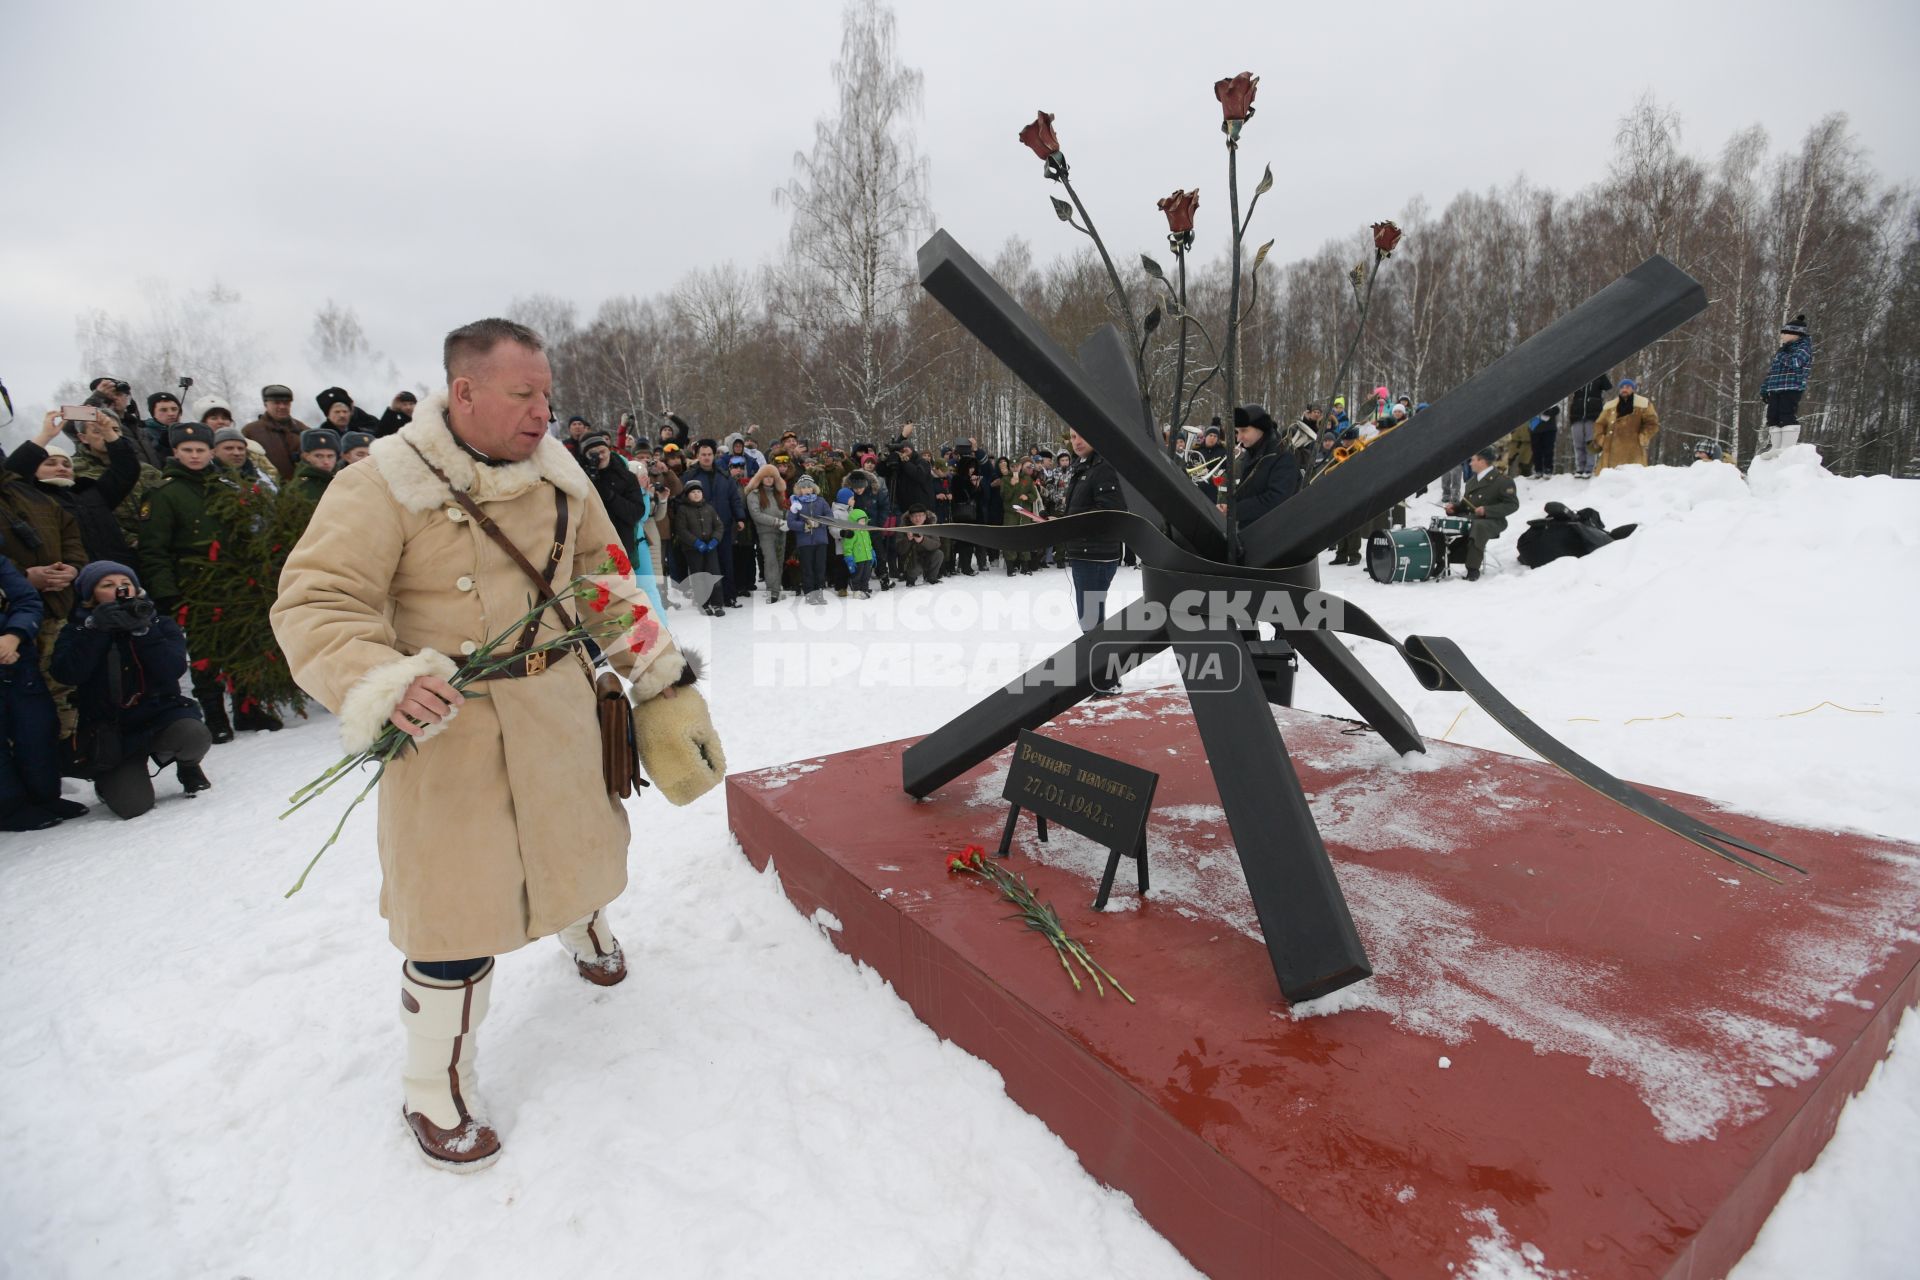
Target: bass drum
[1404,555]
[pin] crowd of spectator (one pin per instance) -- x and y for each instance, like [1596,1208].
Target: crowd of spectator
[112,524]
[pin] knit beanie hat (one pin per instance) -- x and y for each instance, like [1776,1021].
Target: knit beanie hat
[1797,326]
[90,574]
[221,435]
[806,483]
[207,404]
[160,397]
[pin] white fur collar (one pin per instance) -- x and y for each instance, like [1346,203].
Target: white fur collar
[418,489]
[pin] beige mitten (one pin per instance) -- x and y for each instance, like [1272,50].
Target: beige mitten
[678,746]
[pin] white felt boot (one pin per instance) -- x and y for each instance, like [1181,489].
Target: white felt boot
[441,1019]
[595,951]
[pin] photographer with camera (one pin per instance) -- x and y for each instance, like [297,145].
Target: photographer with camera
[124,659]
[116,396]
[49,465]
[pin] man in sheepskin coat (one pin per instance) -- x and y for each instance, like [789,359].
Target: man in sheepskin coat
[498,828]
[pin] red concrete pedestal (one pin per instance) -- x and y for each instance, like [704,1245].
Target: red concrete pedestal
[1590,1049]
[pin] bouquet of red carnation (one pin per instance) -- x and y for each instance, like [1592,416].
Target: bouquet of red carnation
[592,625]
[1036,915]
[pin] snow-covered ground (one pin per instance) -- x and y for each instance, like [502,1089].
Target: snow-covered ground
[197,1077]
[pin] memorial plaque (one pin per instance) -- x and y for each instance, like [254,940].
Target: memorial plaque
[1101,798]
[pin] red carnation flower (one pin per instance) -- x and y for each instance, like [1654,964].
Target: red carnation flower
[639,612]
[601,599]
[618,559]
[1236,101]
[1386,237]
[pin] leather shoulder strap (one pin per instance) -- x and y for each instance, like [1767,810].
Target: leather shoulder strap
[542,582]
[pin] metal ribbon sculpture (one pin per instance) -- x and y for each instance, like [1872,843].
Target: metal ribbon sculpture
[1435,661]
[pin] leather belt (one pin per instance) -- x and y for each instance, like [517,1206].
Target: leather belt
[527,664]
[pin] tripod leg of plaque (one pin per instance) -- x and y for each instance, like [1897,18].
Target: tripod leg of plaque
[1310,936]
[1139,856]
[1006,835]
[1045,691]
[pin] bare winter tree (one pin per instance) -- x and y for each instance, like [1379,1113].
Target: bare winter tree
[204,334]
[859,198]
[339,348]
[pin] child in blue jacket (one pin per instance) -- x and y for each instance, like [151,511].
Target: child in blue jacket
[811,538]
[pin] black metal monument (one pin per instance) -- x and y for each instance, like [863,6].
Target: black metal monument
[1182,542]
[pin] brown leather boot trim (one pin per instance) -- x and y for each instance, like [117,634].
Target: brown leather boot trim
[407,1001]
[599,951]
[435,1142]
[598,976]
[453,1065]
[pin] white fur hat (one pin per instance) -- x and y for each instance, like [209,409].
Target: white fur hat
[207,404]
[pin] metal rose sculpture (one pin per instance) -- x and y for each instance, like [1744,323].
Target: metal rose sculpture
[1236,97]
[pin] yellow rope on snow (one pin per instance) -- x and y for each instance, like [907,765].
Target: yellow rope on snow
[1681,715]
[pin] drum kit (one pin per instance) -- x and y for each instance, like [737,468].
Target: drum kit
[1416,555]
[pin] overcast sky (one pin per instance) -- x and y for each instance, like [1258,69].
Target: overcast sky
[424,163]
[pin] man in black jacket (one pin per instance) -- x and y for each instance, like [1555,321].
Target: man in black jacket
[115,395]
[724,496]
[1264,474]
[619,490]
[909,479]
[356,418]
[1583,408]
[1092,485]
[398,414]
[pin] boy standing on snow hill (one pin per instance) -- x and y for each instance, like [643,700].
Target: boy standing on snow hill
[1786,382]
